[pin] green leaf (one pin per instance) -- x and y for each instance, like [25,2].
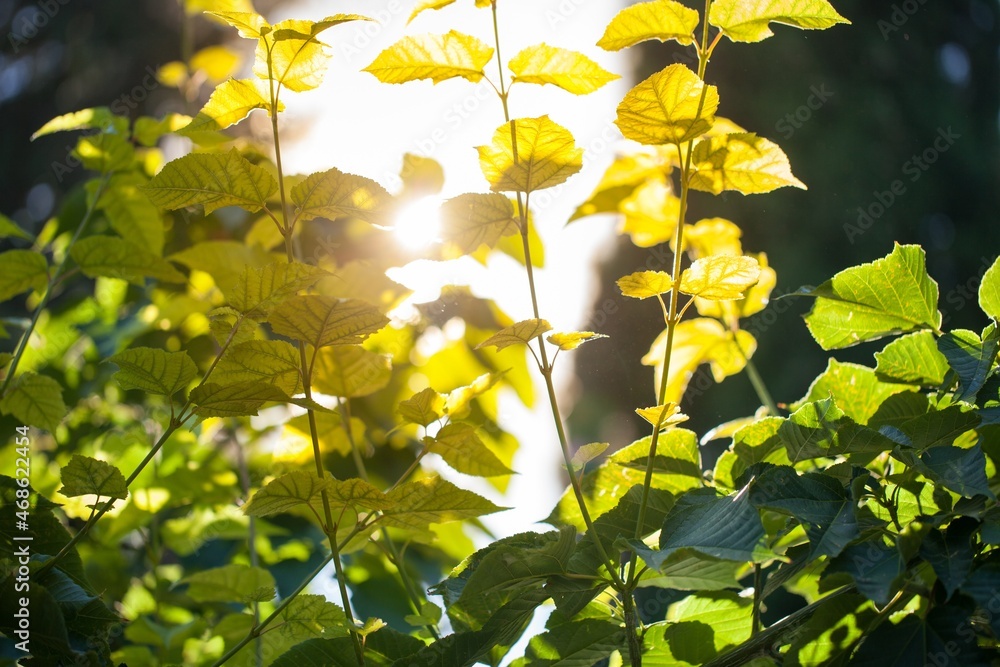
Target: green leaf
[261,288]
[460,447]
[754,443]
[717,526]
[105,153]
[569,70]
[22,270]
[10,229]
[830,635]
[818,501]
[231,583]
[97,118]
[950,553]
[546,156]
[587,453]
[382,649]
[214,180]
[857,390]
[661,20]
[742,162]
[670,107]
[311,616]
[288,491]
[84,475]
[472,220]
[422,408]
[743,21]
[269,361]
[891,295]
[333,194]
[117,258]
[153,370]
[945,636]
[242,399]
[520,333]
[225,261]
[697,629]
[720,277]
[989,291]
[418,504]
[913,359]
[821,429]
[960,470]
[35,400]
[971,357]
[350,371]
[876,567]
[434,57]
[982,586]
[688,570]
[131,214]
[576,644]
[321,320]
[231,102]
[148,131]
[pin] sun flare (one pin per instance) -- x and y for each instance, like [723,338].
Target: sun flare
[418,224]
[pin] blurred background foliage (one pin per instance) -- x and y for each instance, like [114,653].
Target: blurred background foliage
[851,107]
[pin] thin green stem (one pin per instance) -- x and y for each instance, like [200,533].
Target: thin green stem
[762,393]
[22,343]
[546,368]
[758,598]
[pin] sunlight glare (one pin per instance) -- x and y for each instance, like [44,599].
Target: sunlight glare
[419,223]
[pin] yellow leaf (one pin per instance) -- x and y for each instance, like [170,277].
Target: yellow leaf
[747,20]
[322,320]
[192,7]
[699,341]
[472,220]
[298,64]
[666,415]
[249,24]
[421,175]
[434,57]
[212,179]
[422,408]
[756,299]
[217,62]
[660,19]
[670,107]
[588,453]
[546,156]
[651,213]
[743,162]
[720,277]
[517,334]
[332,194]
[571,340]
[231,102]
[569,70]
[350,371]
[460,447]
[644,284]
[424,5]
[713,236]
[457,401]
[620,180]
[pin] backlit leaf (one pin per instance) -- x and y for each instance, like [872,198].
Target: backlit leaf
[283,493]
[546,156]
[231,583]
[472,220]
[569,70]
[270,361]
[422,408]
[84,475]
[650,214]
[333,194]
[857,390]
[350,371]
[742,162]
[434,57]
[153,370]
[249,24]
[132,215]
[240,399]
[743,21]
[913,358]
[587,453]
[10,229]
[458,444]
[424,5]
[224,261]
[35,400]
[97,118]
[989,291]
[322,320]
[22,270]
[720,277]
[661,20]
[117,258]
[260,289]
[666,415]
[433,500]
[670,107]
[888,296]
[214,180]
[311,616]
[231,102]
[570,340]
[517,334]
[292,56]
[577,643]
[971,357]
[644,284]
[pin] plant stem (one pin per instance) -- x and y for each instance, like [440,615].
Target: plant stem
[544,366]
[330,527]
[54,277]
[758,598]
